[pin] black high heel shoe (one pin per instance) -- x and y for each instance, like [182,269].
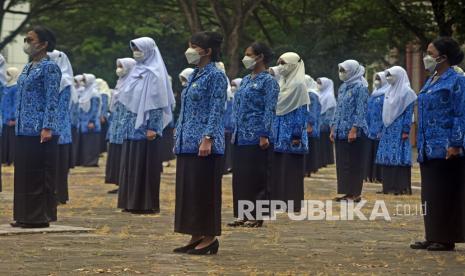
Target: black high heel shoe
[211,249]
[188,247]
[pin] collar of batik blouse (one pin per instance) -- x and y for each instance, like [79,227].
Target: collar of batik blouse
[200,71]
[46,58]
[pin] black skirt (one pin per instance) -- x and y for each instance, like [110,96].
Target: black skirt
[62,170]
[167,145]
[139,185]
[397,180]
[228,153]
[112,168]
[103,137]
[198,194]
[373,171]
[89,149]
[350,167]
[8,144]
[74,148]
[327,149]
[443,197]
[251,175]
[312,159]
[1,138]
[34,179]
[287,179]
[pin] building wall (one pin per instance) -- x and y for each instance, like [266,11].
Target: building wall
[13,52]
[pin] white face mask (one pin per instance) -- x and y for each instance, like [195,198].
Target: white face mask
[138,55]
[343,76]
[192,56]
[120,72]
[8,78]
[184,83]
[391,79]
[377,84]
[430,63]
[29,49]
[249,62]
[233,89]
[285,69]
[318,86]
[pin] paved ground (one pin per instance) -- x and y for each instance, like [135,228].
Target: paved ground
[125,244]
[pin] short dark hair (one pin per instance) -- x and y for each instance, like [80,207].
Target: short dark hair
[449,47]
[45,35]
[207,40]
[260,48]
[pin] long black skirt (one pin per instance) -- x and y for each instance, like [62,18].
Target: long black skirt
[443,197]
[312,159]
[397,180]
[112,169]
[198,194]
[34,179]
[62,170]
[167,145]
[327,149]
[74,148]
[89,149]
[373,171]
[349,166]
[287,179]
[8,144]
[1,138]
[103,137]
[228,153]
[139,185]
[251,175]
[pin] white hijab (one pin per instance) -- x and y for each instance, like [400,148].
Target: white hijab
[384,85]
[103,87]
[186,73]
[148,86]
[237,82]
[127,64]
[293,91]
[327,98]
[78,89]
[355,72]
[312,86]
[2,70]
[399,96]
[90,91]
[13,72]
[61,59]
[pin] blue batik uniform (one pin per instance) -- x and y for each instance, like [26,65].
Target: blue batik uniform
[154,123]
[314,110]
[375,116]
[350,110]
[393,150]
[104,111]
[117,130]
[288,127]
[37,98]
[254,109]
[91,116]
[441,124]
[8,103]
[202,111]
[326,118]
[228,118]
[64,122]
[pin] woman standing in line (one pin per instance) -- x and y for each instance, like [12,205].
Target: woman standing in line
[394,151]
[36,141]
[147,98]
[348,130]
[440,142]
[200,147]
[89,122]
[290,133]
[313,127]
[105,94]
[254,110]
[8,115]
[328,106]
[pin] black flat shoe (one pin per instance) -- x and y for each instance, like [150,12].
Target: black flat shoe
[436,246]
[420,245]
[254,224]
[115,191]
[144,212]
[211,249]
[35,225]
[236,223]
[188,247]
[16,224]
[339,199]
